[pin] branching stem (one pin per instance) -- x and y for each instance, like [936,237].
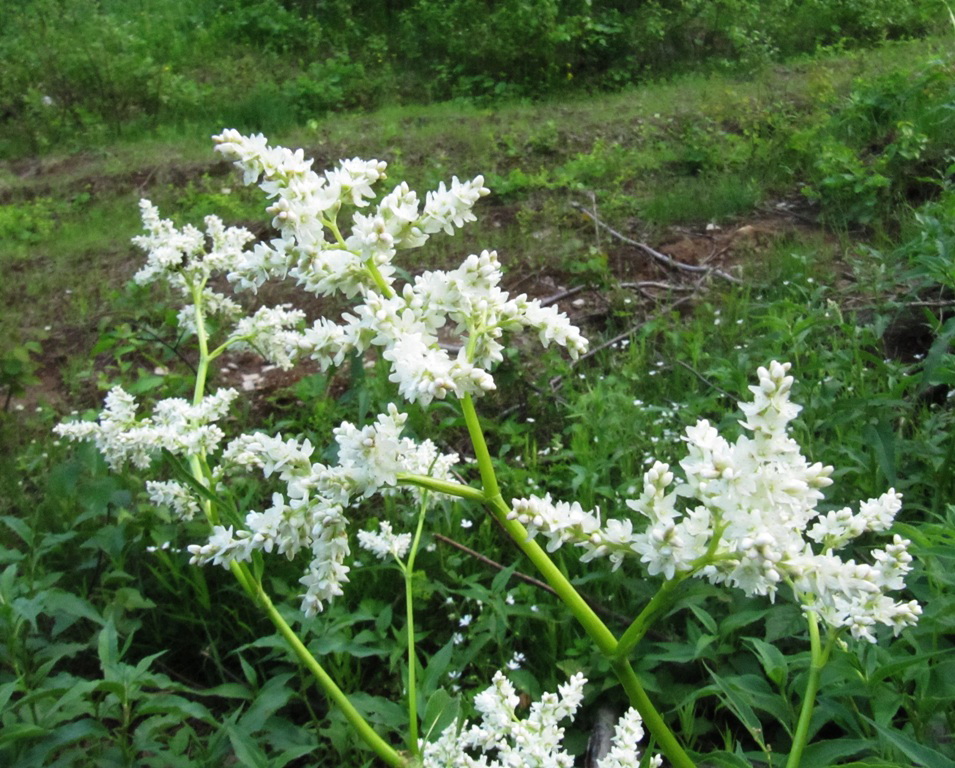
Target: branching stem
[603,638]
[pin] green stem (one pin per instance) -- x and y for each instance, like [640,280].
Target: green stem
[203,368]
[408,569]
[485,465]
[818,658]
[352,715]
[379,280]
[446,487]
[593,626]
[651,717]
[254,589]
[640,625]
[369,264]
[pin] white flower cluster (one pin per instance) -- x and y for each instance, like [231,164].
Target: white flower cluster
[403,323]
[310,514]
[740,517]
[187,259]
[385,543]
[502,740]
[175,496]
[182,428]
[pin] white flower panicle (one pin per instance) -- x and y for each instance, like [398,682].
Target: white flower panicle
[310,515]
[402,321]
[272,331]
[176,425]
[186,257]
[503,740]
[741,516]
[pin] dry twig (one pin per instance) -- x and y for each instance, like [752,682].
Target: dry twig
[661,258]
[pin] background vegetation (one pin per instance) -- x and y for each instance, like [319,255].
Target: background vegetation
[806,147]
[79,71]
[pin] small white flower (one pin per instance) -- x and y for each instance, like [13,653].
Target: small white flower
[516,661]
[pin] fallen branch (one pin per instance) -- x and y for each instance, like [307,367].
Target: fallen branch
[661,258]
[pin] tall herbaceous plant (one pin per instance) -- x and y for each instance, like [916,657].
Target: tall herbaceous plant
[740,514]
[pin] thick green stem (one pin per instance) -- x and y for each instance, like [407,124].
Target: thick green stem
[352,715]
[651,717]
[818,658]
[595,628]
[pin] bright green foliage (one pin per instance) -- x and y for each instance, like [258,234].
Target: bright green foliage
[80,71]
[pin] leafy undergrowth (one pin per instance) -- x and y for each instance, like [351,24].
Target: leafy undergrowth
[827,199]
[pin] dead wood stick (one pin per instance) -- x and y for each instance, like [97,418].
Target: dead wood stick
[564,295]
[656,284]
[662,258]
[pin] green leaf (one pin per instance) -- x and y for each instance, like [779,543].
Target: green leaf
[500,580]
[937,354]
[708,622]
[437,666]
[440,712]
[270,699]
[740,619]
[881,437]
[918,659]
[772,659]
[919,754]
[735,700]
[170,703]
[247,751]
[108,646]
[19,527]
[378,709]
[724,760]
[824,753]
[227,691]
[20,732]
[65,606]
